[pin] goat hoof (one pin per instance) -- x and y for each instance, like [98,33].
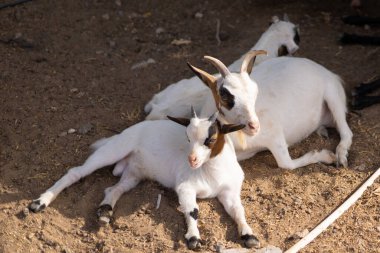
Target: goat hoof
[105,214]
[193,243]
[36,206]
[250,241]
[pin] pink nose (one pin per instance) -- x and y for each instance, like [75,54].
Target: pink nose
[193,160]
[252,126]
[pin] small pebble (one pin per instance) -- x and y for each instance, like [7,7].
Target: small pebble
[269,249]
[85,128]
[112,43]
[62,134]
[198,15]
[361,167]
[71,131]
[25,212]
[106,16]
[118,2]
[160,30]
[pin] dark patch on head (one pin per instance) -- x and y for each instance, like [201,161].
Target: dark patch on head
[227,99]
[296,37]
[282,51]
[212,135]
[194,213]
[218,145]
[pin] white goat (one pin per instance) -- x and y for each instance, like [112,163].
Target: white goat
[157,150]
[282,37]
[297,97]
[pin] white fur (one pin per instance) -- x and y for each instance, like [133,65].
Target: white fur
[158,150]
[296,97]
[280,33]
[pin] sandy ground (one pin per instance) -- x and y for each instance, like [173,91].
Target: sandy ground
[67,64]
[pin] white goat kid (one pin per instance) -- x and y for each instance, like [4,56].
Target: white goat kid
[282,37]
[156,150]
[296,97]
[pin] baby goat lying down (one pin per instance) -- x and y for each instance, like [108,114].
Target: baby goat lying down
[198,162]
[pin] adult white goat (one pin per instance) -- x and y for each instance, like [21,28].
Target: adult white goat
[281,38]
[157,150]
[297,97]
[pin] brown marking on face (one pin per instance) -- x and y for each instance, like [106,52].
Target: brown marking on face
[215,140]
[282,51]
[227,100]
[217,133]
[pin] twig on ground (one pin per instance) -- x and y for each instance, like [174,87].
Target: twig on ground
[158,201]
[217,36]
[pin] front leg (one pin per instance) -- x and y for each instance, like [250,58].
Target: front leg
[232,204]
[188,204]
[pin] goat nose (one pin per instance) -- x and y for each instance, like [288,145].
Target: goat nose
[251,125]
[192,158]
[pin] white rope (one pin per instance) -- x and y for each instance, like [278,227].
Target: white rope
[335,215]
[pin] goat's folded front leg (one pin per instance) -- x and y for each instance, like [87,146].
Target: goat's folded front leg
[232,204]
[188,204]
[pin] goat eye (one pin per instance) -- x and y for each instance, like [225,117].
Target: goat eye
[227,98]
[209,141]
[223,94]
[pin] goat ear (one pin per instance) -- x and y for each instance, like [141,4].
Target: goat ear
[275,19]
[182,121]
[249,61]
[207,79]
[228,128]
[286,17]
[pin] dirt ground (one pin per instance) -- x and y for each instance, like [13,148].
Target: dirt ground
[67,65]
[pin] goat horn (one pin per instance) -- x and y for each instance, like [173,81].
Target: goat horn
[249,60]
[223,70]
[193,114]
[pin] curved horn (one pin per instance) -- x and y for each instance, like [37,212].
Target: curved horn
[213,117]
[193,114]
[223,70]
[249,60]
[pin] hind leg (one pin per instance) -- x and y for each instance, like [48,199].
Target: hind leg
[336,102]
[105,155]
[119,167]
[279,149]
[113,193]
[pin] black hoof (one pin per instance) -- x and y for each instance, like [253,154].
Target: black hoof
[105,214]
[250,241]
[36,206]
[193,243]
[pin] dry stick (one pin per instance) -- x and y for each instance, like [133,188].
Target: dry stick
[218,31]
[158,201]
[334,215]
